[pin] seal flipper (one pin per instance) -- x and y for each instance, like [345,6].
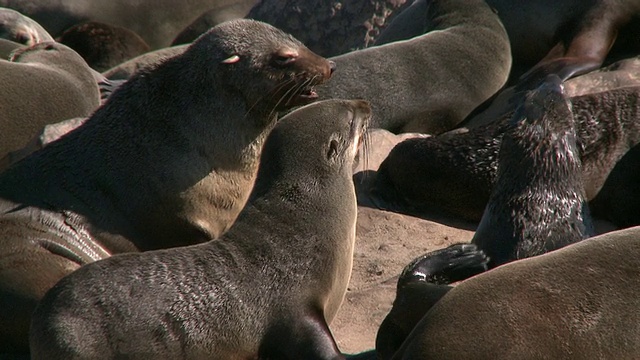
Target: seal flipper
[565,68]
[300,337]
[445,266]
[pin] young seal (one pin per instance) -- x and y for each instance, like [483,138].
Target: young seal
[42,84]
[432,82]
[168,160]
[538,205]
[578,302]
[457,172]
[266,289]
[103,46]
[565,37]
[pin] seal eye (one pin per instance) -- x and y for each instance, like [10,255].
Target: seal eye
[284,59]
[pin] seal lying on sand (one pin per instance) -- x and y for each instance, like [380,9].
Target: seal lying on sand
[432,82]
[578,302]
[42,84]
[266,289]
[537,205]
[168,160]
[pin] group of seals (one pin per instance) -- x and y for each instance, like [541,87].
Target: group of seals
[457,172]
[42,84]
[266,289]
[566,37]
[578,302]
[168,160]
[538,205]
[432,82]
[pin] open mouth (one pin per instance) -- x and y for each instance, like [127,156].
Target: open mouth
[304,96]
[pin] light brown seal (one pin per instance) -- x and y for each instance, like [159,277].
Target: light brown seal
[578,302]
[42,84]
[430,83]
[19,28]
[266,289]
[168,160]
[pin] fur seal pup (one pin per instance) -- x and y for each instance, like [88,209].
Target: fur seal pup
[42,84]
[457,172]
[103,46]
[414,85]
[266,289]
[19,28]
[168,160]
[578,302]
[566,37]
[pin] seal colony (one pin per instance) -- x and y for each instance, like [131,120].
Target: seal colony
[169,160]
[432,82]
[266,289]
[578,302]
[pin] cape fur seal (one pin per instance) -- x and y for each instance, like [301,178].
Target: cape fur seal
[578,302]
[42,84]
[432,82]
[266,289]
[168,160]
[566,37]
[457,172]
[19,28]
[103,46]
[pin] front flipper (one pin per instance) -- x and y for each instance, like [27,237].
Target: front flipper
[565,68]
[445,266]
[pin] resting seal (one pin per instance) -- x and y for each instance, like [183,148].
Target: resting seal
[578,302]
[168,160]
[16,27]
[42,84]
[457,172]
[432,82]
[103,46]
[565,37]
[266,289]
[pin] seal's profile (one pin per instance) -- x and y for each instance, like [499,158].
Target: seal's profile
[168,160]
[266,289]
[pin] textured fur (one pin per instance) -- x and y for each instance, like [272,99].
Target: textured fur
[267,288]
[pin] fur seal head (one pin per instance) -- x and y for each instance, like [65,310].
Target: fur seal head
[16,27]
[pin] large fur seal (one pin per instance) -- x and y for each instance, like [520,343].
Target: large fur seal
[566,37]
[267,289]
[578,302]
[537,205]
[168,160]
[432,82]
[42,84]
[19,28]
[103,46]
[457,172]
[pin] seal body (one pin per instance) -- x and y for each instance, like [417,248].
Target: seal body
[42,84]
[128,68]
[168,160]
[573,303]
[103,46]
[457,172]
[266,289]
[414,85]
[567,37]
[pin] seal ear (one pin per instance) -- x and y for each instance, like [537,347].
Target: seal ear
[231,60]
[333,148]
